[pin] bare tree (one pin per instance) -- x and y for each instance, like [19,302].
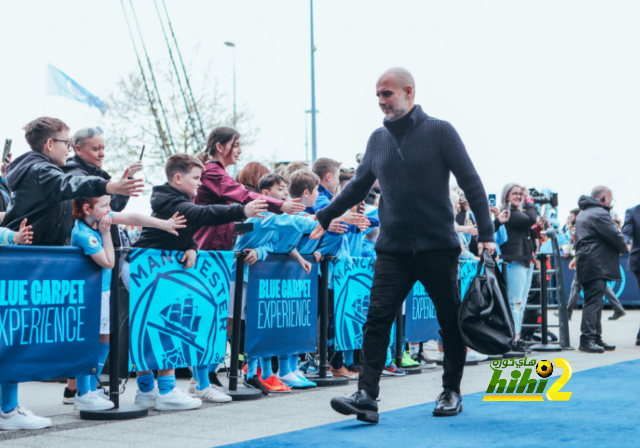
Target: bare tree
[130,121]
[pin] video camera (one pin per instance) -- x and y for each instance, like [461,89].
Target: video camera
[544,198]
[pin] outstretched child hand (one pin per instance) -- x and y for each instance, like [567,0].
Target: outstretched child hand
[105,225]
[252,256]
[364,225]
[317,232]
[318,256]
[292,207]
[255,209]
[305,265]
[337,227]
[24,235]
[173,223]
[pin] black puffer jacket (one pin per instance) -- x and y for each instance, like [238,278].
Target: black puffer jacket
[79,167]
[42,193]
[167,200]
[521,242]
[599,243]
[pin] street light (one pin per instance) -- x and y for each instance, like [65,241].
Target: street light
[232,45]
[314,146]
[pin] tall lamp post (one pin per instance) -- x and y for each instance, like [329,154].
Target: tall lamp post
[314,145]
[235,117]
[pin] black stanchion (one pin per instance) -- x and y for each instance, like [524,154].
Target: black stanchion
[238,393]
[544,347]
[125,412]
[323,308]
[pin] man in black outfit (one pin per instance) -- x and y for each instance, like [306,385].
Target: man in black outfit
[599,244]
[412,157]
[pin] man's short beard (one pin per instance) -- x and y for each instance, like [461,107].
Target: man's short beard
[396,114]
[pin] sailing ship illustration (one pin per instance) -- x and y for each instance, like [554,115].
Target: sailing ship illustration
[182,318]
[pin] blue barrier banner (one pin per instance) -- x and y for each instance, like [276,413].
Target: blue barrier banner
[421,323]
[282,307]
[177,316]
[626,290]
[50,301]
[352,280]
[467,272]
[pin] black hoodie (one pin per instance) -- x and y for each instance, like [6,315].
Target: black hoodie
[42,193]
[599,242]
[166,201]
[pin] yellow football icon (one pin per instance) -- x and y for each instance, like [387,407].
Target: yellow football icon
[544,369]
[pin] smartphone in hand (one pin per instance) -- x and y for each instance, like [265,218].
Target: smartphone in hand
[492,200]
[7,150]
[142,152]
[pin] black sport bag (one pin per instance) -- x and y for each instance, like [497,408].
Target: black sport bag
[485,316]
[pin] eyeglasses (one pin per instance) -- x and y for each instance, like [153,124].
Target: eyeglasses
[68,142]
[92,131]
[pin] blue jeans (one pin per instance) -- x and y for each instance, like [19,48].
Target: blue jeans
[518,285]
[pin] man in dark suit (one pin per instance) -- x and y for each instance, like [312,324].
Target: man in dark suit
[631,232]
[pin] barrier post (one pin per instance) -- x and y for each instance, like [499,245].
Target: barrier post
[238,393]
[563,313]
[323,309]
[399,344]
[544,298]
[119,412]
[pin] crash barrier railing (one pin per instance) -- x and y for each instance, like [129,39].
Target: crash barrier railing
[563,342]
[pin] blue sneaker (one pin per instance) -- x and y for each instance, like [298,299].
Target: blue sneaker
[294,381]
[304,379]
[392,370]
[309,368]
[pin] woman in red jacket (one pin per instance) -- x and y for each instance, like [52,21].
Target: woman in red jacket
[223,150]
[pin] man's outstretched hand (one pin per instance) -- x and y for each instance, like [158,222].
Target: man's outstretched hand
[317,232]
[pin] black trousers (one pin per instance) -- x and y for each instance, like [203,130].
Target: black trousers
[395,275]
[591,327]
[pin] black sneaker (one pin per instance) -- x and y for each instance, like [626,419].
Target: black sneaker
[213,379]
[360,403]
[255,383]
[69,396]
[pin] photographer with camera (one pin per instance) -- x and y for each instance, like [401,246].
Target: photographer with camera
[518,252]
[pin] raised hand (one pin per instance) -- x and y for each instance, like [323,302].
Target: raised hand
[364,225]
[175,222]
[352,218]
[24,235]
[126,186]
[337,227]
[5,163]
[317,232]
[495,211]
[105,224]
[135,168]
[292,207]
[255,209]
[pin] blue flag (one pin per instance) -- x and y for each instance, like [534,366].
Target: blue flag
[59,84]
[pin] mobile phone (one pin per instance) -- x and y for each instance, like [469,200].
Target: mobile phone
[509,209]
[7,149]
[243,227]
[492,200]
[142,152]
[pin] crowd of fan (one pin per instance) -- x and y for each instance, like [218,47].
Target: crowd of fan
[49,198]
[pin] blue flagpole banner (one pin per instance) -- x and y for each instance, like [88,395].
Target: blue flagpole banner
[177,316]
[352,289]
[468,271]
[59,84]
[50,300]
[282,307]
[421,323]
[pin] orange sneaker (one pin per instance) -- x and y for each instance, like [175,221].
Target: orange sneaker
[273,384]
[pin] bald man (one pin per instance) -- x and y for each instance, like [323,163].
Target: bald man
[412,157]
[599,244]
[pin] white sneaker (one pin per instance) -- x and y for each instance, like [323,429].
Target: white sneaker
[177,400]
[103,393]
[91,401]
[431,346]
[22,418]
[475,356]
[437,356]
[193,386]
[212,394]
[147,399]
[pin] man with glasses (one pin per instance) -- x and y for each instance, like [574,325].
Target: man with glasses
[42,193]
[599,244]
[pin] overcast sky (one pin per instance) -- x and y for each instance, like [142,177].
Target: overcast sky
[544,93]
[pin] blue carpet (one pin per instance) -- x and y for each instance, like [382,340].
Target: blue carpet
[603,411]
